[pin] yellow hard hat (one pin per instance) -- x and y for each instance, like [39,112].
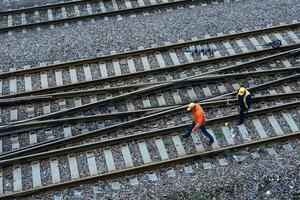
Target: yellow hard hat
[242,91]
[190,106]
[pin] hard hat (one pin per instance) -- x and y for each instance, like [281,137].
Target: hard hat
[190,106]
[242,91]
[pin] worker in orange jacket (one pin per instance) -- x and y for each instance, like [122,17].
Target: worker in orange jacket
[198,122]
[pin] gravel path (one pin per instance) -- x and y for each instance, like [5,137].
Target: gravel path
[86,40]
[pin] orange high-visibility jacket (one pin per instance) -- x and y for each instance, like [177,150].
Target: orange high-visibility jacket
[199,115]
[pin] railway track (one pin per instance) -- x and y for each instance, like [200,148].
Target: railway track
[11,82]
[106,70]
[142,112]
[206,93]
[179,93]
[162,86]
[76,11]
[69,133]
[213,109]
[124,113]
[39,6]
[133,81]
[144,151]
[117,90]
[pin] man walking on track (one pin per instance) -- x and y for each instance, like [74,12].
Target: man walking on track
[245,101]
[198,122]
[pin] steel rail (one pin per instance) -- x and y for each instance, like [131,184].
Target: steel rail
[172,84]
[149,89]
[102,14]
[130,94]
[17,128]
[60,142]
[40,97]
[43,7]
[7,129]
[153,50]
[145,111]
[130,88]
[11,156]
[91,83]
[153,166]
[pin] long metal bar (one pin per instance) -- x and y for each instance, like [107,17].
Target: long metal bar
[206,79]
[261,86]
[7,129]
[13,129]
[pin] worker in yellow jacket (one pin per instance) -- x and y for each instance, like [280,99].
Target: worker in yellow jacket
[245,100]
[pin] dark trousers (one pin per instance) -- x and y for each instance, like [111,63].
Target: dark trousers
[242,115]
[243,109]
[203,129]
